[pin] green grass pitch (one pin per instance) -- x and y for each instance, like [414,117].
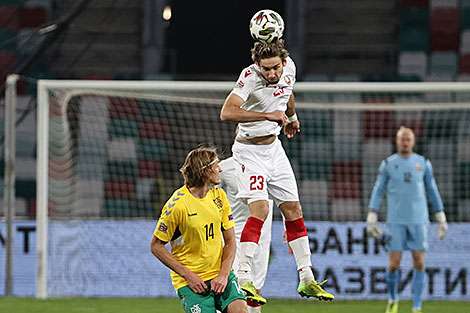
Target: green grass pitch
[164,305]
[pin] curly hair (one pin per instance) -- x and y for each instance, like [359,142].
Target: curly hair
[197,165]
[262,50]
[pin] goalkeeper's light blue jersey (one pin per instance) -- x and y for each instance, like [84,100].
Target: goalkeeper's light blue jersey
[406,181]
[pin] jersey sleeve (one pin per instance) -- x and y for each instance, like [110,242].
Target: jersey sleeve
[379,187]
[227,218]
[168,222]
[245,84]
[293,69]
[431,188]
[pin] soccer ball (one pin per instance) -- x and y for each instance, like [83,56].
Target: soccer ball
[266,26]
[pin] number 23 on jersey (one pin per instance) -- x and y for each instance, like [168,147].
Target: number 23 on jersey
[256,182]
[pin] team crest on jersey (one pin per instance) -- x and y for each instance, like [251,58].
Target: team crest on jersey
[240,84]
[287,80]
[418,167]
[218,202]
[163,228]
[248,73]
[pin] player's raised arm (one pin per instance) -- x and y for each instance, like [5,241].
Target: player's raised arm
[232,112]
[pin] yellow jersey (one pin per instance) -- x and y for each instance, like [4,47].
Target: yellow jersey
[194,228]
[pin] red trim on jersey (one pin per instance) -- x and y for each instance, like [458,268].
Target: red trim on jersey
[295,229]
[252,230]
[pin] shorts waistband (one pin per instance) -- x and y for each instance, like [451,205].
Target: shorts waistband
[249,143]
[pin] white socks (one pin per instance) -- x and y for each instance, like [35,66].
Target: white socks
[247,251]
[301,249]
[254,309]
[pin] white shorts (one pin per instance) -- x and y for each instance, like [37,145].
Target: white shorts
[259,264]
[263,171]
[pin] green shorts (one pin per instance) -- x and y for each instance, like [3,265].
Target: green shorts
[208,302]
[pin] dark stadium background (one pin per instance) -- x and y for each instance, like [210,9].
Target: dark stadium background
[212,36]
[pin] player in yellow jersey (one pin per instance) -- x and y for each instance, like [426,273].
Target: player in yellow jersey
[194,220]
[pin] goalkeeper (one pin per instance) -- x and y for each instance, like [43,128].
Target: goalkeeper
[406,177]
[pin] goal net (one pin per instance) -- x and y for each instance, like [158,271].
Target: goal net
[109,152]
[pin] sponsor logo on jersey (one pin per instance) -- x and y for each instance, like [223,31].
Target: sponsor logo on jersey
[418,167]
[163,228]
[278,91]
[230,217]
[240,84]
[248,73]
[287,80]
[243,168]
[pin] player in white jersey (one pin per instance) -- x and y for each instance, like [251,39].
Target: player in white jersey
[241,213]
[262,102]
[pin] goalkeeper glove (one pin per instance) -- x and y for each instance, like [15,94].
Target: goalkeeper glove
[441,230]
[373,230]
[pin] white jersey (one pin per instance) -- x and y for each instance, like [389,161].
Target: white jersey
[261,96]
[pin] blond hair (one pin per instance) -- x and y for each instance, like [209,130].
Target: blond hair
[262,50]
[197,165]
[403,129]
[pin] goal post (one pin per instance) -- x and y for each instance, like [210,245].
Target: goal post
[111,150]
[71,88]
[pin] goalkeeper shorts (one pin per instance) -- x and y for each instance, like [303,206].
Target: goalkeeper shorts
[401,237]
